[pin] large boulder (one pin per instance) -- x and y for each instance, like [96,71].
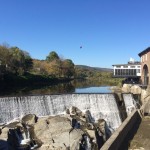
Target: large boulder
[126,88]
[29,119]
[145,94]
[115,89]
[4,133]
[135,89]
[57,133]
[73,131]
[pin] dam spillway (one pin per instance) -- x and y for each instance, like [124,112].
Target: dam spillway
[130,103]
[101,106]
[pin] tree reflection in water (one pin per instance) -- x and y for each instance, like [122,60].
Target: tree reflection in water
[67,87]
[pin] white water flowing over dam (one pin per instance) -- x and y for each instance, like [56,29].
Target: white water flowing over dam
[130,103]
[101,106]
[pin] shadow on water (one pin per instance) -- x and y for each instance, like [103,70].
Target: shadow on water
[121,107]
[37,90]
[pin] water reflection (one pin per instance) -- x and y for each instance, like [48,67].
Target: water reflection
[53,89]
[76,86]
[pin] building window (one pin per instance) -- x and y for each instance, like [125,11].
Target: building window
[125,66]
[146,57]
[134,72]
[123,72]
[132,66]
[138,71]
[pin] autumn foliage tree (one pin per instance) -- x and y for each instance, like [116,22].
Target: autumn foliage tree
[68,68]
[14,60]
[59,67]
[53,56]
[4,55]
[56,67]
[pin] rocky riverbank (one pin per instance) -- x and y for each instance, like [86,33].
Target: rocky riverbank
[74,130]
[143,93]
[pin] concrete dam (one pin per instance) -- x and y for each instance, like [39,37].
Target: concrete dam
[101,106]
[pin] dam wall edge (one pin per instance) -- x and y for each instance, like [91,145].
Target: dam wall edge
[117,138]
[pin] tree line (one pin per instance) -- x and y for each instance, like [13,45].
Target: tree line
[54,66]
[15,61]
[17,65]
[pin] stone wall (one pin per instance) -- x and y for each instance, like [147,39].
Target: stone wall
[118,137]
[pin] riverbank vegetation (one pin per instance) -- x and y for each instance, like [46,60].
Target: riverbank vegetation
[97,76]
[18,68]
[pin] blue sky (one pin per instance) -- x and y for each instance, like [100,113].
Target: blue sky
[109,31]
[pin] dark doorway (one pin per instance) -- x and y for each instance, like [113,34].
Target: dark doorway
[145,71]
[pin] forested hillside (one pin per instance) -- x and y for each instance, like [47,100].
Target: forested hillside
[96,76]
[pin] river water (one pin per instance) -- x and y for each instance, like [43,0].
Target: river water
[63,88]
[99,89]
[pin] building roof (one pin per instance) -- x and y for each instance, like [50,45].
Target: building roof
[129,64]
[144,51]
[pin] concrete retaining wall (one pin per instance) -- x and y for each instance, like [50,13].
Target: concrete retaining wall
[116,140]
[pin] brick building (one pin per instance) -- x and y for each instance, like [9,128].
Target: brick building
[145,66]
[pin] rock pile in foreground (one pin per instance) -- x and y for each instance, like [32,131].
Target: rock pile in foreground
[72,131]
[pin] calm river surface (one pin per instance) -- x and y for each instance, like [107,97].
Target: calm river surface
[100,89]
[71,87]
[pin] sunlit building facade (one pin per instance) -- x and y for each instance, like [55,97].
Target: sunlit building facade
[131,71]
